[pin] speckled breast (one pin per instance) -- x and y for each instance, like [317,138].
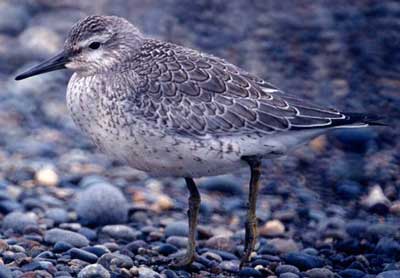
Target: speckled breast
[134,141]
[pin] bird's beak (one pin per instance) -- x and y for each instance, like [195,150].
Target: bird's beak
[55,63]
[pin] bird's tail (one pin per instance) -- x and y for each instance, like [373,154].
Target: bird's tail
[360,119]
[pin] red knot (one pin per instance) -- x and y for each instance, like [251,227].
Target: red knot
[174,111]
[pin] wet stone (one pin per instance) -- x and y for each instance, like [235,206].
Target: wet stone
[166,249]
[58,215]
[352,273]
[94,271]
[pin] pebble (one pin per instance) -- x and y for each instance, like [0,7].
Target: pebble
[13,18]
[303,261]
[121,232]
[167,249]
[145,272]
[18,221]
[288,275]
[388,247]
[83,255]
[283,245]
[5,272]
[249,272]
[272,228]
[178,228]
[101,204]
[389,274]
[284,268]
[226,184]
[58,215]
[55,235]
[352,273]
[94,271]
[112,260]
[320,273]
[221,243]
[47,176]
[376,201]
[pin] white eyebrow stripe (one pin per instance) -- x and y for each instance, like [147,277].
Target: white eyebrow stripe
[99,38]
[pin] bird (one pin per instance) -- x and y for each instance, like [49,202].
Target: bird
[174,111]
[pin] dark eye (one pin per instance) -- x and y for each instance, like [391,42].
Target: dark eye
[94,45]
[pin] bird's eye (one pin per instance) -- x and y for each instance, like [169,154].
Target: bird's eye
[94,45]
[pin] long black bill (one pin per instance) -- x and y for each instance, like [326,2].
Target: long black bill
[55,63]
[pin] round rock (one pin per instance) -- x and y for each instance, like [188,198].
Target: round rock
[94,271]
[101,204]
[17,221]
[55,235]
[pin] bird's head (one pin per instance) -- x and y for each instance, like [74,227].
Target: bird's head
[94,44]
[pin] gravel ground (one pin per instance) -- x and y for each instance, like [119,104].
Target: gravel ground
[332,209]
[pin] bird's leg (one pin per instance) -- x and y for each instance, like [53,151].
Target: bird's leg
[251,219]
[193,212]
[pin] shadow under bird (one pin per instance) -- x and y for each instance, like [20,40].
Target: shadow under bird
[174,111]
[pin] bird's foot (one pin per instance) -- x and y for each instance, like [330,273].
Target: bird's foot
[183,261]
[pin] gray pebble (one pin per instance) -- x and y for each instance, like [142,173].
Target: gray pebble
[83,255]
[178,228]
[55,235]
[320,273]
[5,272]
[94,271]
[18,221]
[389,274]
[58,215]
[284,268]
[121,232]
[101,204]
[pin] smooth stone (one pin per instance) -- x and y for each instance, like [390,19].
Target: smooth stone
[55,235]
[230,266]
[98,250]
[178,241]
[8,206]
[224,184]
[388,247]
[121,232]
[272,228]
[284,268]
[249,272]
[18,221]
[352,273]
[13,18]
[283,246]
[94,271]
[136,245]
[5,272]
[221,243]
[389,274]
[41,41]
[110,260]
[166,249]
[303,261]
[349,190]
[320,273]
[357,228]
[83,255]
[47,176]
[145,272]
[61,247]
[101,204]
[178,228]
[380,230]
[58,215]
[288,275]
